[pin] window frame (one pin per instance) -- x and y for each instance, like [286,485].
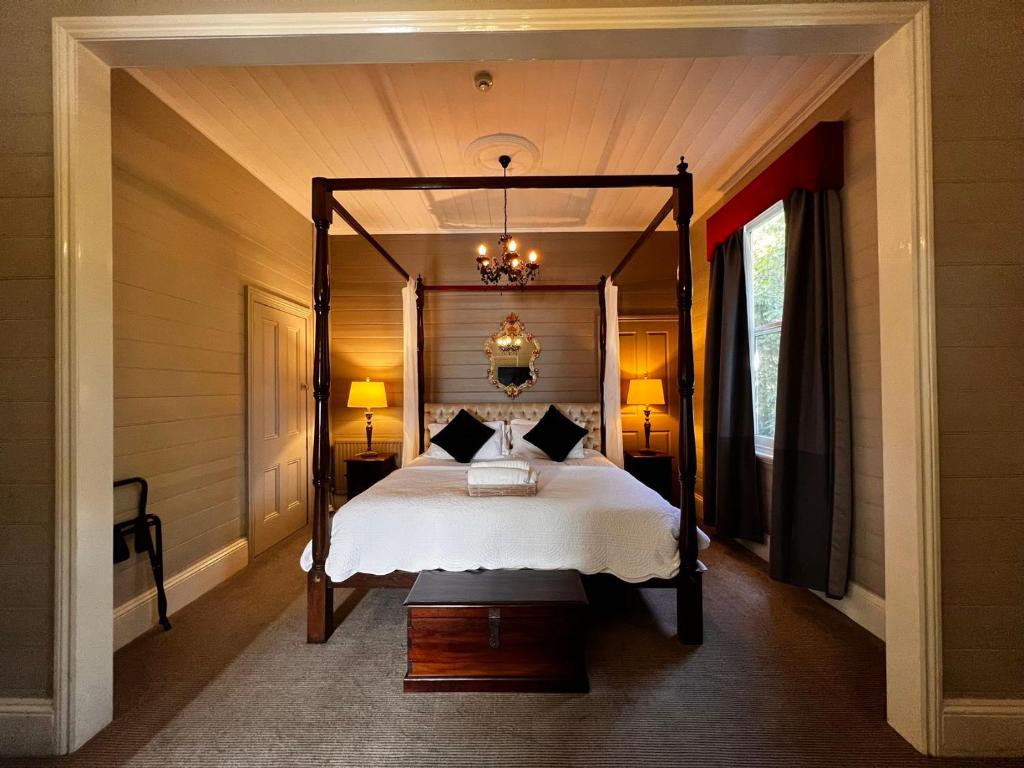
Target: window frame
[764,445]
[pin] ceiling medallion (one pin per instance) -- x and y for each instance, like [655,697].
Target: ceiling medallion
[485,152]
[508,265]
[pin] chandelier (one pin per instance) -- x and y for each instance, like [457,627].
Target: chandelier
[508,265]
[508,343]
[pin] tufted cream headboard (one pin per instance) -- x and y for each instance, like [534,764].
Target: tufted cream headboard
[587,414]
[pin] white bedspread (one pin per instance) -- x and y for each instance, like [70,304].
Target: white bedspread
[588,515]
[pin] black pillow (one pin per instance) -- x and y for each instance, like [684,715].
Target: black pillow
[555,434]
[463,436]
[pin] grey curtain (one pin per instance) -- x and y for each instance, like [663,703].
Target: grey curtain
[811,516]
[731,501]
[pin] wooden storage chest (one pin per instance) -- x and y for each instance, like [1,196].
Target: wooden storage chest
[497,631]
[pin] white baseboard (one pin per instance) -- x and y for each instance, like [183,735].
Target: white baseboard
[983,727]
[26,727]
[860,604]
[137,615]
[761,550]
[863,606]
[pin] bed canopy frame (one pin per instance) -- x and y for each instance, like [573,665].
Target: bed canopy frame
[320,606]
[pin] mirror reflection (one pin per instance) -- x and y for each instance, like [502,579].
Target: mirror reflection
[512,354]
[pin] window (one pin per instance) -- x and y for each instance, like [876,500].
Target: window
[764,251]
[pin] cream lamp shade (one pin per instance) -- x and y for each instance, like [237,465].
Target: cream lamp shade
[367,394]
[645,392]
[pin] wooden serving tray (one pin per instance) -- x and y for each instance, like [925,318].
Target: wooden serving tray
[519,489]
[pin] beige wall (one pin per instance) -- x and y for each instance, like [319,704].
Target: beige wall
[979,200]
[366,318]
[647,286]
[978,133]
[192,228]
[853,104]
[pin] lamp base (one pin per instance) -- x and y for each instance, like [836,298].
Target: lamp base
[647,433]
[369,453]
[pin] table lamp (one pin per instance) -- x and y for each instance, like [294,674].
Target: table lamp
[369,395]
[646,392]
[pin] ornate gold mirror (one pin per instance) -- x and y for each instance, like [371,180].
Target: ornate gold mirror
[511,355]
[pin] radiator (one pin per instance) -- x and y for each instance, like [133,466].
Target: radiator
[346,448]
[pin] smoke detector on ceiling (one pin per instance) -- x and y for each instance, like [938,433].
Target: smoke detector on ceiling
[483,80]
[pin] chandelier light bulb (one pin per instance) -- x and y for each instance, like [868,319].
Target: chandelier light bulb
[486,262]
[512,246]
[515,262]
[481,249]
[533,257]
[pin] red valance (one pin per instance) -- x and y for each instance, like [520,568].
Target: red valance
[815,162]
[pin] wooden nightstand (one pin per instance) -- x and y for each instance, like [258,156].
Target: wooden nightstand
[363,471]
[653,469]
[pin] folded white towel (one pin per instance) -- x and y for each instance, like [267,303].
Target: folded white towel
[506,463]
[497,475]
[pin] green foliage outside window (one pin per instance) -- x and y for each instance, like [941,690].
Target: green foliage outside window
[766,351]
[767,260]
[768,256]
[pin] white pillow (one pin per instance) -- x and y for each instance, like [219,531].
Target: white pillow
[524,448]
[494,448]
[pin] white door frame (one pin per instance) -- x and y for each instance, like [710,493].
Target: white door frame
[82,700]
[255,294]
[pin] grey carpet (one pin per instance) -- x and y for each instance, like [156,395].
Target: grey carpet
[782,680]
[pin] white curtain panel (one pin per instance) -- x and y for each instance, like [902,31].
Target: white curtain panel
[410,391]
[612,386]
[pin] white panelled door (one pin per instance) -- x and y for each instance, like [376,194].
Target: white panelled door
[278,424]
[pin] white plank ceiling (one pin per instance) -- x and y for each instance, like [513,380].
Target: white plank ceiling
[289,124]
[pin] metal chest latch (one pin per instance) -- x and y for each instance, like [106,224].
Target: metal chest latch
[494,623]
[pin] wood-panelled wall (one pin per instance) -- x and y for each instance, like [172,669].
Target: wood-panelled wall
[853,104]
[565,324]
[366,317]
[191,229]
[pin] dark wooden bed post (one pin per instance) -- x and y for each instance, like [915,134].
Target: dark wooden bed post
[421,395]
[320,622]
[690,614]
[602,340]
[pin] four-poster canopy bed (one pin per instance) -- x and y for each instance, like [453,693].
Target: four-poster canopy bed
[320,585]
